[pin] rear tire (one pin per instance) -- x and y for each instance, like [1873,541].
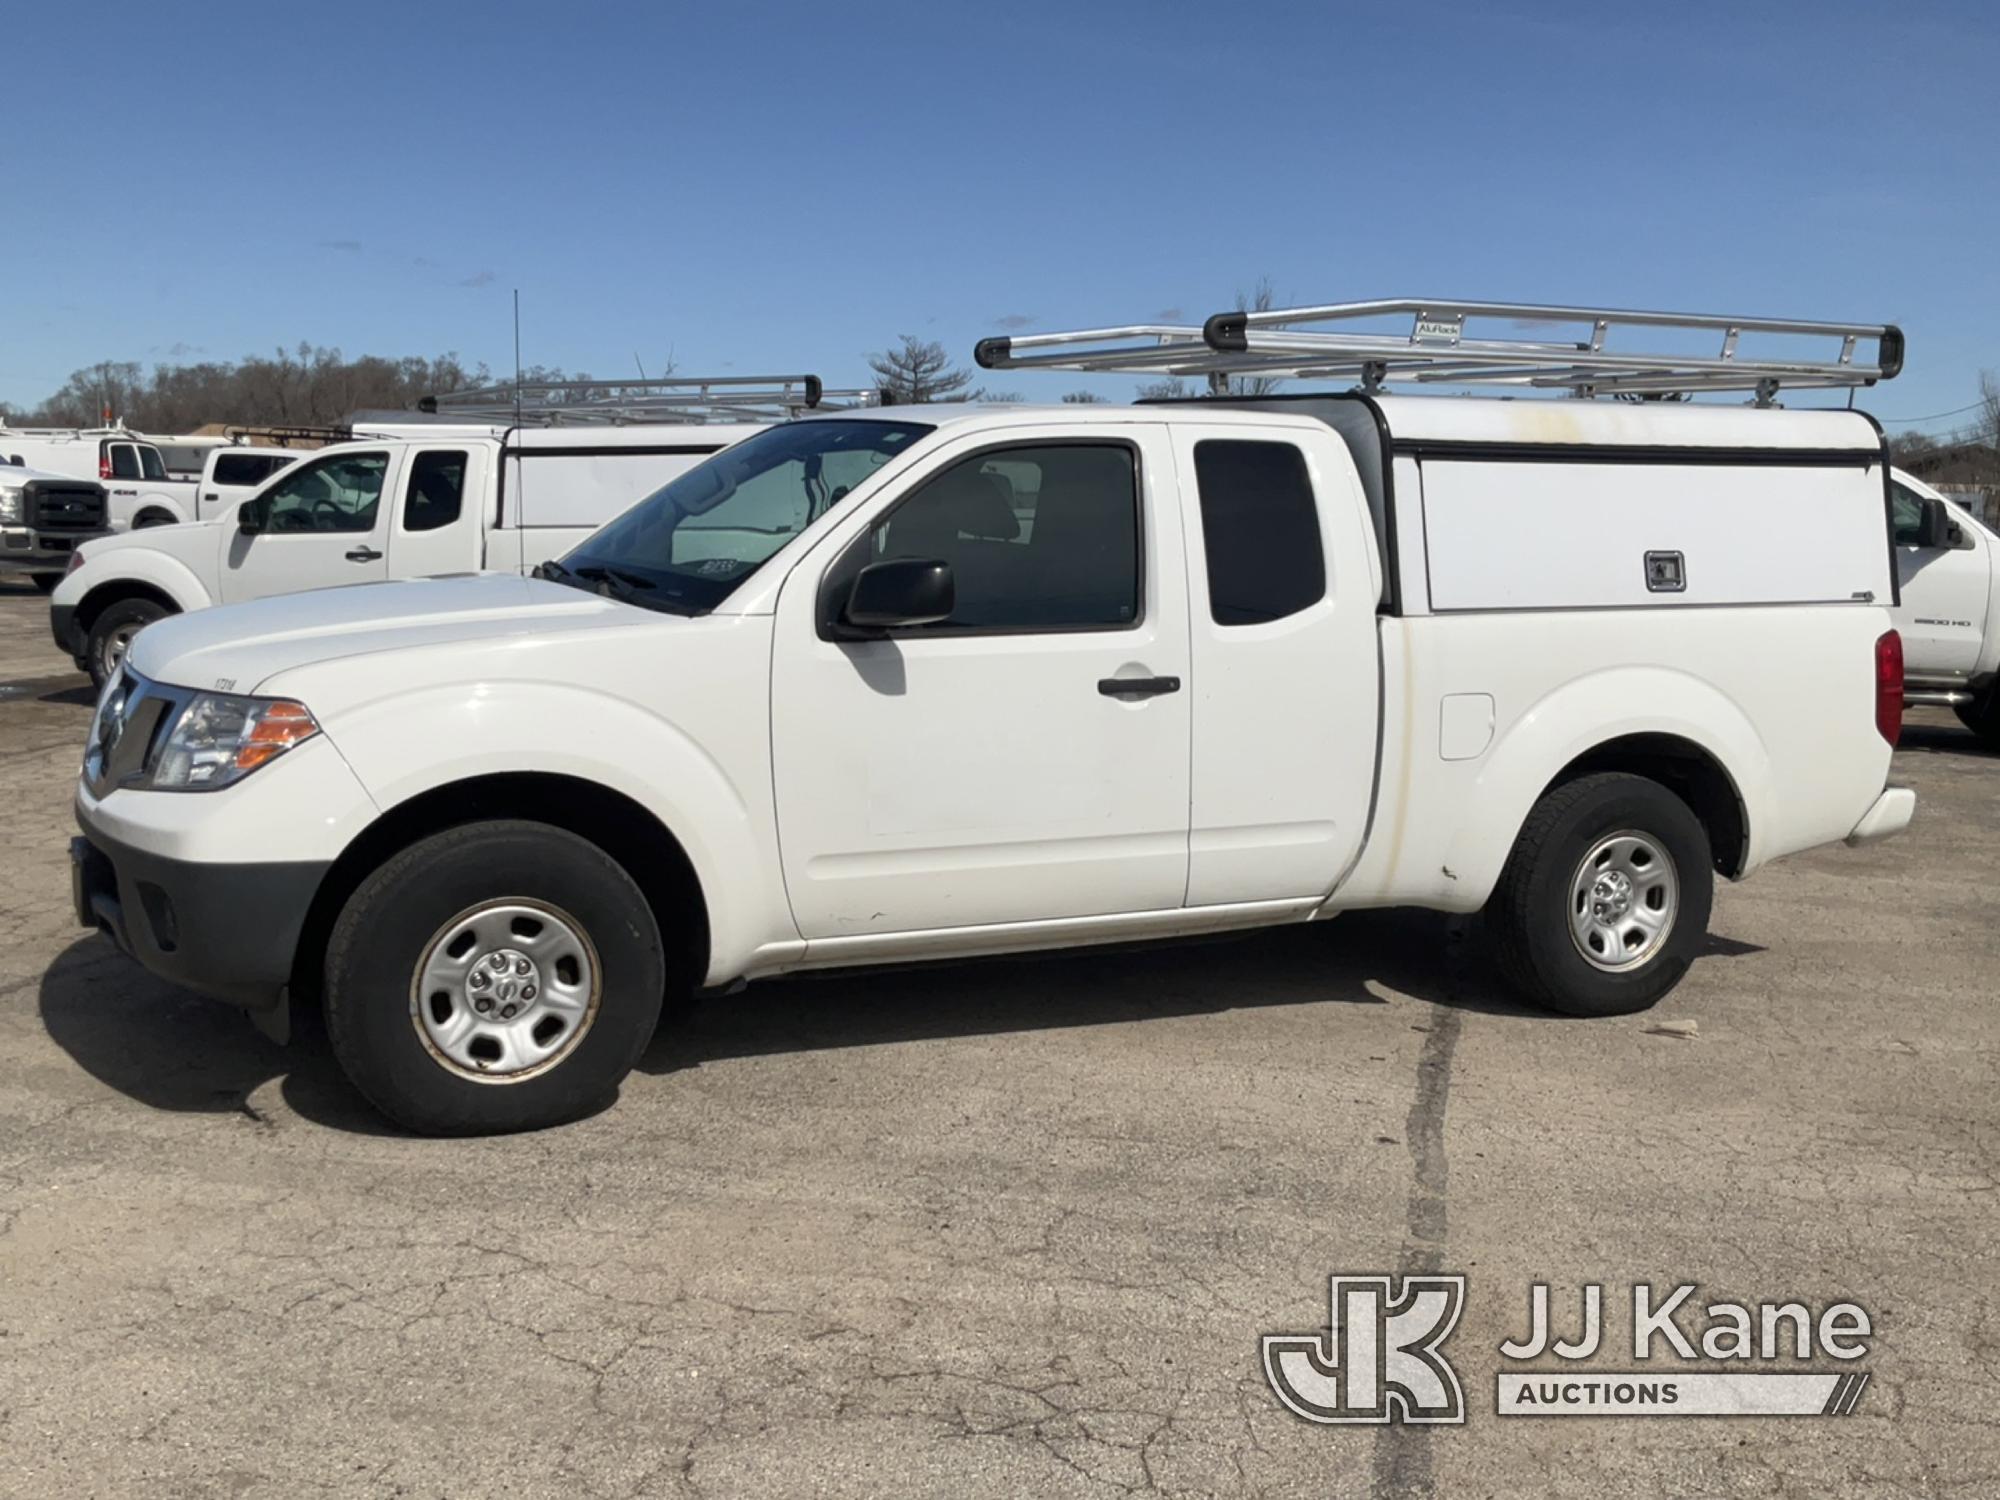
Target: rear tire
[494,977]
[1982,716]
[112,631]
[45,583]
[1604,902]
[146,520]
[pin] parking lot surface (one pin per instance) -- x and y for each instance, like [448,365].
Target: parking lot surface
[1010,1228]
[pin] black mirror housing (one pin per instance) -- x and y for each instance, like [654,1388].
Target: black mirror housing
[900,592]
[249,519]
[1936,528]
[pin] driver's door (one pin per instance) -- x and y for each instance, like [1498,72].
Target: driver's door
[323,523]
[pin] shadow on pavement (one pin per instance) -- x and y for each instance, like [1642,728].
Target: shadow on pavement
[1945,738]
[1424,955]
[171,1050]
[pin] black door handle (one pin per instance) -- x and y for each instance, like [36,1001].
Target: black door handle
[1137,687]
[363,554]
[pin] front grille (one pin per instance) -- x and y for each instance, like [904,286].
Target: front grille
[64,507]
[131,715]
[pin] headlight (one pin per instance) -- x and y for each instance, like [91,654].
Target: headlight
[10,502]
[222,737]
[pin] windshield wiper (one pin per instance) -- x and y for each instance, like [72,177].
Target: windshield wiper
[552,570]
[602,574]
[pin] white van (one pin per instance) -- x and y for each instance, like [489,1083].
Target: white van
[403,506]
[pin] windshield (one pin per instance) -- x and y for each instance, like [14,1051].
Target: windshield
[685,547]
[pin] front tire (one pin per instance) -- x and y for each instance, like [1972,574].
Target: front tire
[498,976]
[112,631]
[1604,902]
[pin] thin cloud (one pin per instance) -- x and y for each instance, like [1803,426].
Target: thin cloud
[479,278]
[345,247]
[1013,321]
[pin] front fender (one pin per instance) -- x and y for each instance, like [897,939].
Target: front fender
[122,566]
[1576,718]
[497,727]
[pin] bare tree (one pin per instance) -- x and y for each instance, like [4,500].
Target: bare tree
[1989,409]
[916,371]
[303,385]
[1175,389]
[1081,398]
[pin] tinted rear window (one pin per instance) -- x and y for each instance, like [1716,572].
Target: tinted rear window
[1260,531]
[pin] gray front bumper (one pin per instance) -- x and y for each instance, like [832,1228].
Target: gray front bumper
[227,931]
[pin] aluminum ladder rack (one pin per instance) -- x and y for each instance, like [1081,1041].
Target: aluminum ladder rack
[671,400]
[1325,341]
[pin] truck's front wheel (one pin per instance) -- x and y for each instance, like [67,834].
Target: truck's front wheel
[497,976]
[1604,901]
[112,631]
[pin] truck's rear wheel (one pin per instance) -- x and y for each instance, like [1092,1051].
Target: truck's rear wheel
[1982,716]
[1604,901]
[112,631]
[498,976]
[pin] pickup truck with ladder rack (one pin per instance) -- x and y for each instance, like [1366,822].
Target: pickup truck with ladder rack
[940,681]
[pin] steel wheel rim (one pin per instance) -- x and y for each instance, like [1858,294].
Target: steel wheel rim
[117,644]
[1623,900]
[506,990]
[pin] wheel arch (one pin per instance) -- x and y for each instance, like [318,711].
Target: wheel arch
[1657,722]
[625,829]
[1688,770]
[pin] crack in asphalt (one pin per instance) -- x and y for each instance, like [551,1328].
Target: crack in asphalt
[1405,1466]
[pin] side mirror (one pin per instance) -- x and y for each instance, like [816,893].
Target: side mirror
[1936,528]
[901,591]
[249,518]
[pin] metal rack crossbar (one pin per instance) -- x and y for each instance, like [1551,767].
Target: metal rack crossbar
[673,400]
[1286,342]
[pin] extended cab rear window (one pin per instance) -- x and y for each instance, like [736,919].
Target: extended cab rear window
[1260,531]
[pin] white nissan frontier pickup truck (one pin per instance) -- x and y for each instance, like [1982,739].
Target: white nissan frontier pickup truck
[952,680]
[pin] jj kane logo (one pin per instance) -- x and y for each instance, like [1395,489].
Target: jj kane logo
[1381,1358]
[1379,1361]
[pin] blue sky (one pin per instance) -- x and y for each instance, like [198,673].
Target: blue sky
[769,187]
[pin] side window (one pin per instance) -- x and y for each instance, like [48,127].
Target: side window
[241,468]
[1260,531]
[1038,538]
[334,494]
[436,490]
[1906,511]
[151,464]
[124,461]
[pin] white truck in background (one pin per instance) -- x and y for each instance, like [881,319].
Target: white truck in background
[44,517]
[139,490]
[395,506]
[944,681]
[1949,609]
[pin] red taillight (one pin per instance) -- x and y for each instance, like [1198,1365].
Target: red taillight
[104,461]
[1889,685]
[75,562]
